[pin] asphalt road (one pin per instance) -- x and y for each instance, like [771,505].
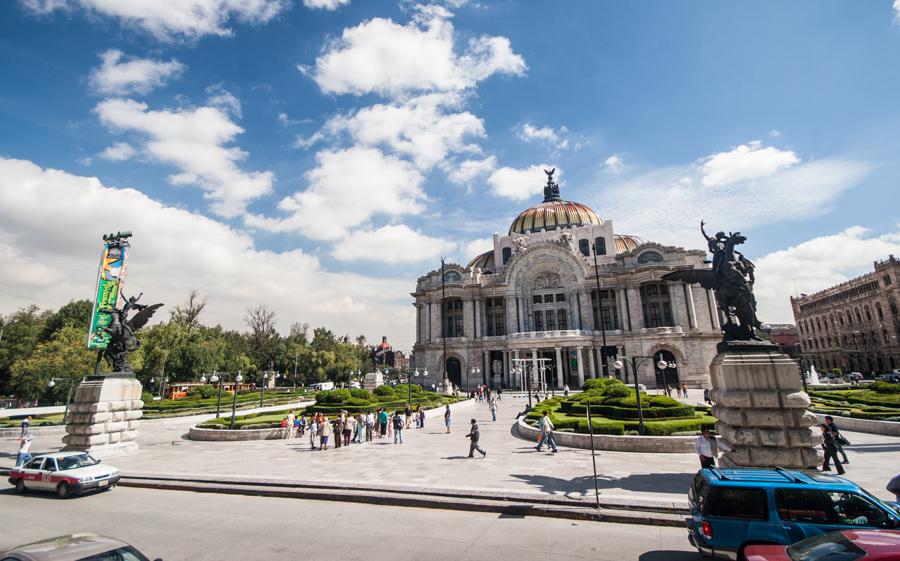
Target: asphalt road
[176,525]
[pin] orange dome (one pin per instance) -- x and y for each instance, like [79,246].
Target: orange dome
[483,261]
[551,215]
[627,243]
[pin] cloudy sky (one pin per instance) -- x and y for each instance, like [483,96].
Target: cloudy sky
[317,156]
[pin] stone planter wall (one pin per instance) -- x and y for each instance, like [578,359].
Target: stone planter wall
[225,435]
[658,444]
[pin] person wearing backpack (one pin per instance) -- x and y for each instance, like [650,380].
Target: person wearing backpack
[398,427]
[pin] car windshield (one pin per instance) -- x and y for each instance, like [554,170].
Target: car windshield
[76,461]
[827,547]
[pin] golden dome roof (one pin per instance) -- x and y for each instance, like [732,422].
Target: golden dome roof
[483,261]
[551,215]
[627,243]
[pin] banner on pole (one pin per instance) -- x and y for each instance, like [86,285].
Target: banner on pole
[110,280]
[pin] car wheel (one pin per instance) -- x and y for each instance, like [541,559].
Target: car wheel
[20,486]
[62,490]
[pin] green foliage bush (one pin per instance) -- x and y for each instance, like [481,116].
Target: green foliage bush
[884,387]
[359,402]
[384,391]
[202,392]
[146,397]
[361,393]
[332,396]
[618,390]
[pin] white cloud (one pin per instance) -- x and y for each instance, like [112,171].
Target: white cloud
[196,141]
[747,161]
[119,76]
[546,135]
[520,184]
[667,204]
[816,264]
[897,11]
[173,251]
[476,247]
[346,189]
[468,170]
[420,128]
[384,57]
[391,244]
[172,20]
[614,164]
[224,100]
[329,5]
[118,152]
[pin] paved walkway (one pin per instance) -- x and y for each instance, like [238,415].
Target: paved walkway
[431,458]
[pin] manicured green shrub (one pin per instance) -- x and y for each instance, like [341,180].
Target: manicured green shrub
[618,390]
[361,393]
[332,396]
[884,387]
[146,397]
[384,391]
[666,428]
[202,392]
[358,401]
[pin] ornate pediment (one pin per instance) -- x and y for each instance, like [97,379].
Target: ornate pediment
[547,280]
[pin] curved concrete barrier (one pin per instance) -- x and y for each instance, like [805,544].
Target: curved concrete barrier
[887,428]
[226,435]
[659,444]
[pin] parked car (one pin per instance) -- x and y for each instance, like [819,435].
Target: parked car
[732,509]
[65,473]
[848,545]
[75,547]
[892,377]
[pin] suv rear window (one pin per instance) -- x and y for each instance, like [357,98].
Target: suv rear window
[697,492]
[739,502]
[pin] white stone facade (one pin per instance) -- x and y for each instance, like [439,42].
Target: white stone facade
[499,311]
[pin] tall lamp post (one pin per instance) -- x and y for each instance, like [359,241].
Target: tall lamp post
[214,379]
[409,376]
[52,383]
[805,365]
[599,305]
[237,380]
[636,362]
[475,372]
[262,390]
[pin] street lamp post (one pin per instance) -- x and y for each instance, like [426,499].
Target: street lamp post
[599,306]
[237,380]
[475,372]
[215,379]
[262,389]
[52,383]
[409,385]
[636,362]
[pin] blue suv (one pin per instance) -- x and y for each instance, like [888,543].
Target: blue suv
[734,508]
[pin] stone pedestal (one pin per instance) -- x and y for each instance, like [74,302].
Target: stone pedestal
[104,416]
[372,380]
[445,387]
[762,411]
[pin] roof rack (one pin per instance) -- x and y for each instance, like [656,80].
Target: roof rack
[789,475]
[718,473]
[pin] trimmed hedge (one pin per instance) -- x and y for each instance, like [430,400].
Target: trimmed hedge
[622,413]
[384,390]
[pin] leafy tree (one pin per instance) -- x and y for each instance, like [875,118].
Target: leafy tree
[76,313]
[64,357]
[19,334]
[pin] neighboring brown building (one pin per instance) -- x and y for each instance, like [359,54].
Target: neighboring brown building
[855,325]
[785,336]
[401,361]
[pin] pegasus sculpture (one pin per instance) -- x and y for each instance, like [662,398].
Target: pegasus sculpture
[122,333]
[731,278]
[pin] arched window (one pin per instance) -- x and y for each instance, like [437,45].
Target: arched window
[610,310]
[879,311]
[600,246]
[507,253]
[452,276]
[584,247]
[868,314]
[656,305]
[549,311]
[650,257]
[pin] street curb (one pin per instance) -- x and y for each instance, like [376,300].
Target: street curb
[417,501]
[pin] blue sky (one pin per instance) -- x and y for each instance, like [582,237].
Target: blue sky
[336,149]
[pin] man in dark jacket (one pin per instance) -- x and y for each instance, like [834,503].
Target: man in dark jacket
[474,435]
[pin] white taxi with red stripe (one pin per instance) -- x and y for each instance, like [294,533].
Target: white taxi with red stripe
[65,473]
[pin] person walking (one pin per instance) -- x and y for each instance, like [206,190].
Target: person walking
[313,432]
[409,413]
[546,427]
[26,426]
[421,417]
[390,425]
[894,487]
[565,390]
[684,390]
[398,427]
[706,396]
[289,433]
[370,425]
[338,429]
[447,418]
[494,410]
[474,435]
[349,429]
[499,393]
[382,422]
[324,429]
[24,448]
[707,448]
[839,439]
[830,448]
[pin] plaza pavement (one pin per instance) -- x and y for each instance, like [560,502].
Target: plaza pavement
[431,459]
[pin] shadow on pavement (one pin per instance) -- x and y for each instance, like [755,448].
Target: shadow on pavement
[455,458]
[640,482]
[668,555]
[863,448]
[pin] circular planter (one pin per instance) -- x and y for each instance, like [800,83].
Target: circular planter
[227,435]
[658,444]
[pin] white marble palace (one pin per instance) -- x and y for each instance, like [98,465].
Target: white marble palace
[532,301]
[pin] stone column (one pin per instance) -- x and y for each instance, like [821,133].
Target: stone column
[635,310]
[468,319]
[623,309]
[762,410]
[487,373]
[679,307]
[535,371]
[510,310]
[591,369]
[516,364]
[691,310]
[560,370]
[713,309]
[505,379]
[428,332]
[580,366]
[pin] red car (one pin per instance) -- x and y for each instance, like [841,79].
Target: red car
[847,545]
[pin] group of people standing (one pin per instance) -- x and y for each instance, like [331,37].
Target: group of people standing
[352,428]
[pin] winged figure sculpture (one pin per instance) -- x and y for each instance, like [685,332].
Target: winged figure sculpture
[122,333]
[731,278]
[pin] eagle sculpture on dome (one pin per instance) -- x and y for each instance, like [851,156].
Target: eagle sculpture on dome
[732,279]
[551,190]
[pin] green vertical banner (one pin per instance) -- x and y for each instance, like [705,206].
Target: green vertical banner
[110,280]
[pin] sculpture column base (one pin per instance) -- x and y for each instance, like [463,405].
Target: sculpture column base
[445,387]
[762,411]
[104,416]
